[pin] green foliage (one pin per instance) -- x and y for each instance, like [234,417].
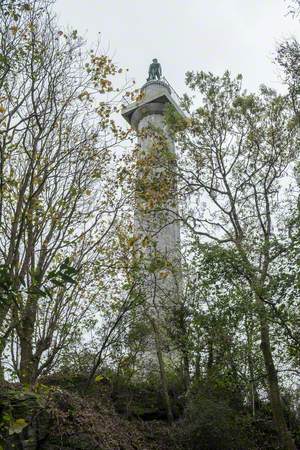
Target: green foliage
[7,291]
[64,274]
[174,120]
[142,398]
[213,422]
[220,261]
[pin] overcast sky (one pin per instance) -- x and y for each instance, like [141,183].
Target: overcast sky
[214,35]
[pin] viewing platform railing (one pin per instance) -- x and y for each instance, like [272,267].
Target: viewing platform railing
[174,94]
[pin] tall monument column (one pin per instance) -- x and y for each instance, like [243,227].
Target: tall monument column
[156,224]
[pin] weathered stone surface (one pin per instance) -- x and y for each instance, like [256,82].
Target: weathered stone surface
[28,410]
[61,420]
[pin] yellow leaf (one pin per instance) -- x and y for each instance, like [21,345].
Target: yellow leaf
[14,29]
[17,426]
[163,275]
[99,378]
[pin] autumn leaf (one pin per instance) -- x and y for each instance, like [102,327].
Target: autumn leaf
[14,29]
[99,378]
[17,426]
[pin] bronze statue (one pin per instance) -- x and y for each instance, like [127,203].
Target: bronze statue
[154,70]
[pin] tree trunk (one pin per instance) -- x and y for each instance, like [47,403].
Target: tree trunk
[197,366]
[252,391]
[180,314]
[2,347]
[285,436]
[4,310]
[163,377]
[25,330]
[28,367]
[186,370]
[253,394]
[210,358]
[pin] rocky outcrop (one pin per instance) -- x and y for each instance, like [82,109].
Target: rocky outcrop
[25,419]
[55,419]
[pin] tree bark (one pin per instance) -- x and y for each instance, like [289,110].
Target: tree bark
[27,372]
[162,372]
[210,359]
[197,366]
[2,347]
[25,330]
[285,436]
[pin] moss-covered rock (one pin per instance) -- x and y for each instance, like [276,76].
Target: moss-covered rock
[24,419]
[55,419]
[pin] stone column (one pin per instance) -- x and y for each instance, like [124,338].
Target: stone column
[156,205]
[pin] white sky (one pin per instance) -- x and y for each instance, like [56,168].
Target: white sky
[239,35]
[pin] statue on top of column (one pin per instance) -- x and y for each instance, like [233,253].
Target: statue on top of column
[155,71]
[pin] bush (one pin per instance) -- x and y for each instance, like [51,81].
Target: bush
[211,424]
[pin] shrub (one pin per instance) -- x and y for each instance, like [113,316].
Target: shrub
[211,424]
